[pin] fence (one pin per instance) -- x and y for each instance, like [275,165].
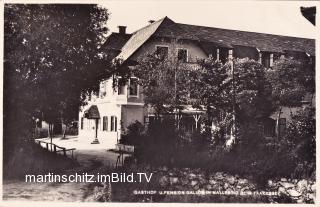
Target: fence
[55,148]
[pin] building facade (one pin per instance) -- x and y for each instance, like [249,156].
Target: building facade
[120,107]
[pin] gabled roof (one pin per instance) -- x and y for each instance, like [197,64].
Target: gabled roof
[115,41]
[216,37]
[137,39]
[169,28]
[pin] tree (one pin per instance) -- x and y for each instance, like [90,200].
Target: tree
[164,83]
[244,92]
[51,62]
[291,80]
[211,87]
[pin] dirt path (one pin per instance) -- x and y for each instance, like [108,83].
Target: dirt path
[91,161]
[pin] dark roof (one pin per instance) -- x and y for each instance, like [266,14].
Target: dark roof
[115,41]
[264,42]
[92,112]
[169,28]
[309,13]
[210,36]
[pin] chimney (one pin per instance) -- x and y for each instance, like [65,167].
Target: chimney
[151,21]
[122,29]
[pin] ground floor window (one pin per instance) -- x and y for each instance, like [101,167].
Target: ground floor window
[81,123]
[282,126]
[114,123]
[269,127]
[105,123]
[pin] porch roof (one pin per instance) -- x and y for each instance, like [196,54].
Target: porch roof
[92,112]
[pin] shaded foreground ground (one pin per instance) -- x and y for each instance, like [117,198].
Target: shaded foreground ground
[90,161]
[101,161]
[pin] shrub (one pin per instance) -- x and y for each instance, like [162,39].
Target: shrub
[134,134]
[300,143]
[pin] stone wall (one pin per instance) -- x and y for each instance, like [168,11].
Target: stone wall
[296,191]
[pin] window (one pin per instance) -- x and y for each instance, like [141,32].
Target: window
[105,123]
[39,124]
[269,127]
[113,123]
[121,87]
[266,61]
[81,125]
[133,89]
[271,60]
[218,54]
[282,127]
[162,51]
[182,55]
[103,90]
[230,54]
[223,55]
[150,120]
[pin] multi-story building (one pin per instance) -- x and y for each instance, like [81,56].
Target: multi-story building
[114,110]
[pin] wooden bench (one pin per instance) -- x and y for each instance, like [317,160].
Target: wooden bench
[122,150]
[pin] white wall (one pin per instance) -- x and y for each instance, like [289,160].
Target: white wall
[106,138]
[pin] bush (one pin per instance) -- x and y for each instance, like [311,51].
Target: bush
[134,135]
[252,155]
[300,143]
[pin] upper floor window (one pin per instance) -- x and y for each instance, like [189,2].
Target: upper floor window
[182,55]
[121,87]
[264,59]
[103,90]
[133,88]
[162,51]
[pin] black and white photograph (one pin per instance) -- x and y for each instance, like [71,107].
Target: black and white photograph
[158,102]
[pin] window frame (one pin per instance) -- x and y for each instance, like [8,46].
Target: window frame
[105,123]
[103,93]
[129,91]
[187,54]
[124,88]
[113,124]
[166,46]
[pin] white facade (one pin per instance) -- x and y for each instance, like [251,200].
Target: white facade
[111,105]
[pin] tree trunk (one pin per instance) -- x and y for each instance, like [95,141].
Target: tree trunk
[51,134]
[35,131]
[312,96]
[64,131]
[65,128]
[278,124]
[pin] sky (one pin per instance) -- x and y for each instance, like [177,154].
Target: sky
[273,17]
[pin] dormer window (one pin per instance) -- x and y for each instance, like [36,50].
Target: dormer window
[162,51]
[183,55]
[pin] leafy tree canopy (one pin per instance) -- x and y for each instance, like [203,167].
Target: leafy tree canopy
[51,60]
[164,82]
